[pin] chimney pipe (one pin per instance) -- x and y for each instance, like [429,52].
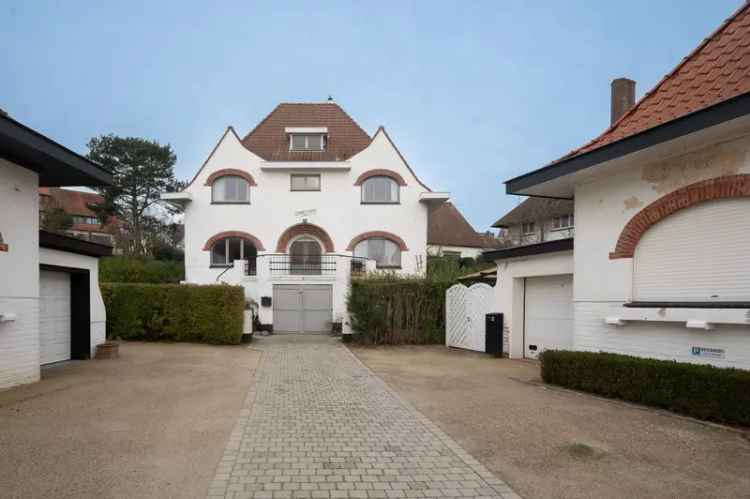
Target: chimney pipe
[623,97]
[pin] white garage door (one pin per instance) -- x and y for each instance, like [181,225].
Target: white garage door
[548,319]
[302,308]
[54,316]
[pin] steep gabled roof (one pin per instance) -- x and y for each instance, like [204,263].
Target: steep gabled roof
[535,209]
[709,87]
[269,139]
[715,71]
[447,227]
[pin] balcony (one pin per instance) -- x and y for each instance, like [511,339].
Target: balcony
[284,265]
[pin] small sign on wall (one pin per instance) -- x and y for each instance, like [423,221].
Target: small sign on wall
[710,353]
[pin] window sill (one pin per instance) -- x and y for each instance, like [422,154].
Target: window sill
[688,304]
[304,190]
[560,229]
[215,266]
[388,267]
[230,202]
[380,202]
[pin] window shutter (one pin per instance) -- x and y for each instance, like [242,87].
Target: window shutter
[701,253]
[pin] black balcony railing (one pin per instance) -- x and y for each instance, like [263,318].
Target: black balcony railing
[302,264]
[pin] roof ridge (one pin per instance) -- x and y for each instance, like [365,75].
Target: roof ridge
[661,82]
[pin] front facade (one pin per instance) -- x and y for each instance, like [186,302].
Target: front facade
[294,208]
[660,264]
[537,220]
[50,306]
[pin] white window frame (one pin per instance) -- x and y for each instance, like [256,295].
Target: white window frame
[391,179]
[531,228]
[323,142]
[293,175]
[377,264]
[557,222]
[226,251]
[218,181]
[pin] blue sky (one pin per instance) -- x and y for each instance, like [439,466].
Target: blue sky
[473,93]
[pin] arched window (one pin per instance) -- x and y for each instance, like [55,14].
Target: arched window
[305,256]
[380,190]
[385,252]
[225,251]
[230,189]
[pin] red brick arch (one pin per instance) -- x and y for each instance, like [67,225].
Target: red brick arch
[233,233]
[230,172]
[377,233]
[381,173]
[731,186]
[304,229]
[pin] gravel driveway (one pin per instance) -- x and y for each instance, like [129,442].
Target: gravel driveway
[152,423]
[553,443]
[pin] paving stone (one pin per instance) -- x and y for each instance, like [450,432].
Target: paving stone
[318,424]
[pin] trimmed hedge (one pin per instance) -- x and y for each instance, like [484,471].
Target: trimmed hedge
[135,269]
[171,312]
[390,310]
[701,391]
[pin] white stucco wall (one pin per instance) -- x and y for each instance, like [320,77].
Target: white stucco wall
[603,205]
[509,291]
[466,252]
[98,313]
[272,208]
[19,275]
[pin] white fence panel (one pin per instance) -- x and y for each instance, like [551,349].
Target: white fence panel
[465,309]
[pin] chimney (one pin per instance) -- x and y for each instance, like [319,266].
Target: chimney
[623,97]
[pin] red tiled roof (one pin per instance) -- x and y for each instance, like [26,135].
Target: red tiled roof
[447,227]
[72,202]
[717,70]
[270,141]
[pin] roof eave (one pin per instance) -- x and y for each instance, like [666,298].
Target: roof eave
[55,164]
[553,246]
[717,114]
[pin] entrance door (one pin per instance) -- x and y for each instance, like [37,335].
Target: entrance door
[302,308]
[54,317]
[548,318]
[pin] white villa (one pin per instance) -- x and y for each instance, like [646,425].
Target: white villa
[295,207]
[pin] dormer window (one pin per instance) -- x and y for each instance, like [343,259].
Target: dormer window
[528,228]
[307,138]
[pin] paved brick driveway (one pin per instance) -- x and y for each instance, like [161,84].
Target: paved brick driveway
[318,424]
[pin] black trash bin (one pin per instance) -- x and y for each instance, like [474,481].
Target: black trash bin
[493,334]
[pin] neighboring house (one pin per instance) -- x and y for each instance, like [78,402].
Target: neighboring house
[662,213]
[295,207]
[50,305]
[449,234]
[536,220]
[86,225]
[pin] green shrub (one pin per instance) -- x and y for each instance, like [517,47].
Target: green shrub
[391,310]
[700,391]
[170,312]
[132,269]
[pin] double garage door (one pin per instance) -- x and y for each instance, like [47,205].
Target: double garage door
[54,317]
[303,308]
[548,314]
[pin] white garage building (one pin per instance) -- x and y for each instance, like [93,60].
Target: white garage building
[51,309]
[661,264]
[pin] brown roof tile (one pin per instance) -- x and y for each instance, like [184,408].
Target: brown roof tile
[72,202]
[269,140]
[717,70]
[448,227]
[534,210]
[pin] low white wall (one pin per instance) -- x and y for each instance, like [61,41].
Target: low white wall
[509,291]
[98,313]
[19,275]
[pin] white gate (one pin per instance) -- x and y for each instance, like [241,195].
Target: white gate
[465,309]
